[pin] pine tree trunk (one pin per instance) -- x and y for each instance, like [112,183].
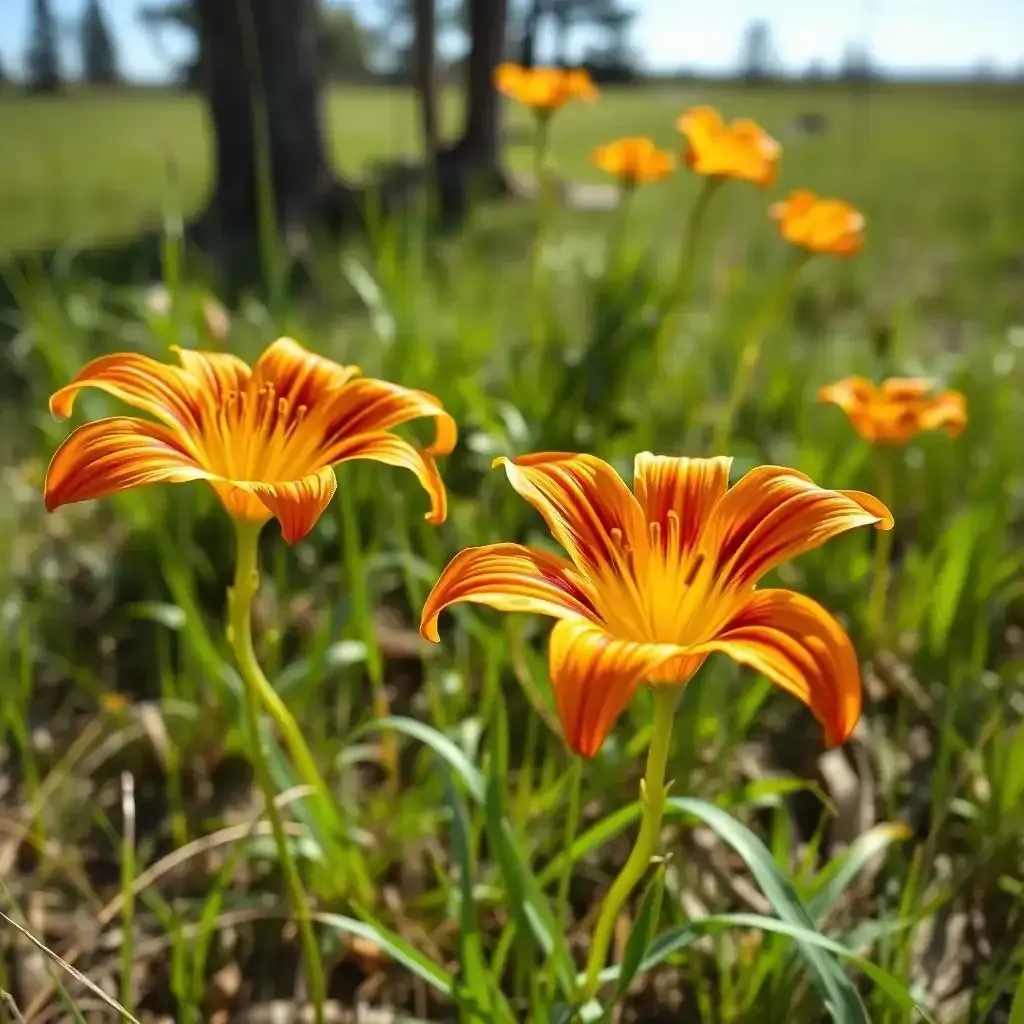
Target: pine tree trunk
[425,17]
[480,144]
[259,66]
[528,55]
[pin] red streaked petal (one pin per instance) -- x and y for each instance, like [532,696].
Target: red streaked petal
[366,406]
[774,514]
[947,410]
[849,393]
[594,677]
[687,488]
[161,390]
[300,376]
[799,646]
[510,578]
[116,454]
[583,501]
[395,451]
[216,374]
[297,504]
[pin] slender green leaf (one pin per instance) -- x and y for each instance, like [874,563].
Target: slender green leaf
[835,988]
[528,901]
[841,871]
[396,947]
[437,742]
[642,932]
[473,967]
[679,938]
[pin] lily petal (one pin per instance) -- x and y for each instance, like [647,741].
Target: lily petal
[799,646]
[849,394]
[217,374]
[594,677]
[510,578]
[297,504]
[684,490]
[774,514]
[161,390]
[948,410]
[300,376]
[587,507]
[367,406]
[116,454]
[393,450]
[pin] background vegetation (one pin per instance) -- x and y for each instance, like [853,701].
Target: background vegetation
[129,827]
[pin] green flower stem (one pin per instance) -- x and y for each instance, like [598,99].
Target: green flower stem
[679,294]
[541,138]
[883,549]
[777,300]
[240,597]
[652,799]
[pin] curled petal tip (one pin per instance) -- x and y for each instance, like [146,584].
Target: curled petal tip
[428,629]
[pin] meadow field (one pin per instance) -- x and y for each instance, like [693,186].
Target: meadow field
[457,855]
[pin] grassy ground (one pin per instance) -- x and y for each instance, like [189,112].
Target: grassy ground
[905,847]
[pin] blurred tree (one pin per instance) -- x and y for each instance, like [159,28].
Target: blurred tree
[425,74]
[3,75]
[99,58]
[531,25]
[476,154]
[856,66]
[260,76]
[174,14]
[757,54]
[343,44]
[42,61]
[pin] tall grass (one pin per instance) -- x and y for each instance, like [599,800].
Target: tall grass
[466,851]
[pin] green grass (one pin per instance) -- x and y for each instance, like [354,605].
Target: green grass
[468,875]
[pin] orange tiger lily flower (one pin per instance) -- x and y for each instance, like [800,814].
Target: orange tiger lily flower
[741,149]
[659,578]
[820,225]
[634,161]
[544,90]
[264,438]
[899,410]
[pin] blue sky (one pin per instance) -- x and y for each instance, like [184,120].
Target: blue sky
[906,35]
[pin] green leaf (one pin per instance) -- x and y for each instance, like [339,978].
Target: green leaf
[833,986]
[841,871]
[642,932]
[437,742]
[593,839]
[396,947]
[473,967]
[956,551]
[1017,1008]
[525,895]
[679,938]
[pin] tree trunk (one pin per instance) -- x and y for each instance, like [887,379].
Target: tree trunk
[562,26]
[528,55]
[425,17]
[480,144]
[259,63]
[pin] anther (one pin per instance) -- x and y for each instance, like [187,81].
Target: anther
[695,568]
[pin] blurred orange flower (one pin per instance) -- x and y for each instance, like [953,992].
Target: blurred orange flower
[659,578]
[741,149]
[821,225]
[634,161]
[899,410]
[544,90]
[264,438]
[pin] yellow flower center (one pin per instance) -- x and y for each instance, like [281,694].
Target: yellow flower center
[654,592]
[257,435]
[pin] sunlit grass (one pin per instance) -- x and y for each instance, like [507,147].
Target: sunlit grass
[467,850]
